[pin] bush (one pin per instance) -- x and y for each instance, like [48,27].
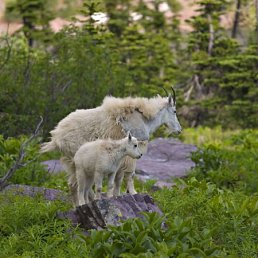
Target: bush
[148,238]
[231,218]
[81,70]
[33,173]
[230,163]
[29,228]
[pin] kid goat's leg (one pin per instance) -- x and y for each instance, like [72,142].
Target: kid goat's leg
[85,183]
[81,181]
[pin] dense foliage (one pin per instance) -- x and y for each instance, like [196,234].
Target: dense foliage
[32,173]
[137,52]
[229,161]
[212,213]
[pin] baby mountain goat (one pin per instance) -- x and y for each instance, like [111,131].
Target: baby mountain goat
[96,159]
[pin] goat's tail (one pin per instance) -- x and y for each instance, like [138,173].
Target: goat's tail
[48,146]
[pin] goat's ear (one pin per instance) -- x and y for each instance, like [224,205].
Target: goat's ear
[170,99]
[129,136]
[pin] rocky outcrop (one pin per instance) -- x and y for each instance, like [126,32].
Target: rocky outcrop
[101,213]
[165,159]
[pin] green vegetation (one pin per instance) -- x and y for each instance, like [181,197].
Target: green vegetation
[215,75]
[29,228]
[212,213]
[33,173]
[228,159]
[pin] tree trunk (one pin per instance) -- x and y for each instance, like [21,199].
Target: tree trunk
[236,19]
[211,36]
[256,20]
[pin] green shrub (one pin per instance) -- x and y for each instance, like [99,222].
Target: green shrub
[33,173]
[29,228]
[212,215]
[149,237]
[231,218]
[36,82]
[57,181]
[232,162]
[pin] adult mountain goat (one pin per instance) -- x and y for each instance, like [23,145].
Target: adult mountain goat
[96,159]
[113,119]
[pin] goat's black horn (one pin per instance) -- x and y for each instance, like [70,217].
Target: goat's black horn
[165,91]
[174,95]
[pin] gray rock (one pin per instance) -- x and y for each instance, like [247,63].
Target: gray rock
[161,184]
[53,166]
[100,213]
[165,159]
[32,191]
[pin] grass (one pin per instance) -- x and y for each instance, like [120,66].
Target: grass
[212,213]
[29,228]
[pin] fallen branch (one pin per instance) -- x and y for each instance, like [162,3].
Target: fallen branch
[19,160]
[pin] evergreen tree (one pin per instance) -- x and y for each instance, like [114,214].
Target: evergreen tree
[224,82]
[35,15]
[146,42]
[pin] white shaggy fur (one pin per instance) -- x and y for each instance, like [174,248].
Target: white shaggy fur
[113,119]
[96,159]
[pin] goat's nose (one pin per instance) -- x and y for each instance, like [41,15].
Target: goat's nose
[141,154]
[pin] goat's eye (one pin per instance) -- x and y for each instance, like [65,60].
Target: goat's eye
[135,146]
[175,112]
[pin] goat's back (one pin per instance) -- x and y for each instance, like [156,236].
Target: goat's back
[84,126]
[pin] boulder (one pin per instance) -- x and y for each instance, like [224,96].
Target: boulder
[101,213]
[53,166]
[32,191]
[165,159]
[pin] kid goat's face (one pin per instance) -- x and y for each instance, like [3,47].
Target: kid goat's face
[133,148]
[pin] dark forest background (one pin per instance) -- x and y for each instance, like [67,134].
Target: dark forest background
[213,68]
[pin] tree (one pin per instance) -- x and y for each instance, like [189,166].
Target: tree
[236,18]
[223,81]
[35,15]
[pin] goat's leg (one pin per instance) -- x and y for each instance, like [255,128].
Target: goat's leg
[88,188]
[82,187]
[118,182]
[111,179]
[130,183]
[129,175]
[98,185]
[91,194]
[72,181]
